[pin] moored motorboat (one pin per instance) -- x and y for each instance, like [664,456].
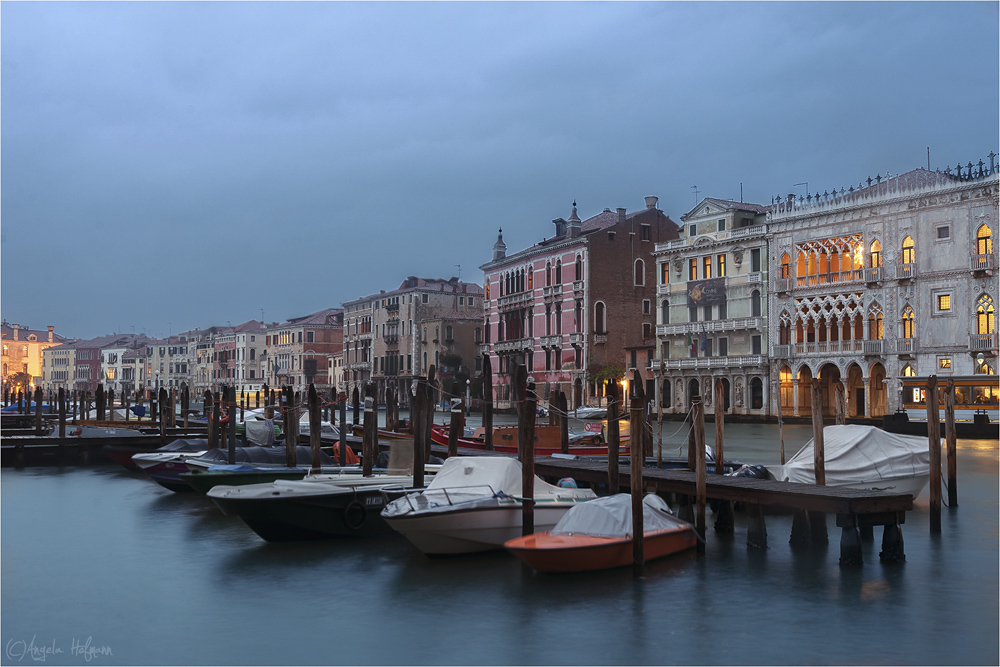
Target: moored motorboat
[239,474]
[165,468]
[317,507]
[598,536]
[863,457]
[474,504]
[123,454]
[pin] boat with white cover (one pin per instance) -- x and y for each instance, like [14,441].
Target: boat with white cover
[598,536]
[474,504]
[863,457]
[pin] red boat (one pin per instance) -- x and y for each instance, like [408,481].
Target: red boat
[597,535]
[547,441]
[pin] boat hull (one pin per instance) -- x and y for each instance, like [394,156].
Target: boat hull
[341,513]
[581,553]
[471,531]
[168,475]
[911,485]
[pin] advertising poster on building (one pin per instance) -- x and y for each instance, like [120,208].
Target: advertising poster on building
[711,292]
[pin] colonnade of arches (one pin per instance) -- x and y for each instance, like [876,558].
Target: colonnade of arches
[867,392]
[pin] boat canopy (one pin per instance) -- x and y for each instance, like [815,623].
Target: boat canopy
[611,516]
[185,445]
[855,454]
[254,454]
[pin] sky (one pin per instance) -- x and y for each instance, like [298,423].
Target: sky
[170,166]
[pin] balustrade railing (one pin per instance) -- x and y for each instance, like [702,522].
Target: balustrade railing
[905,271]
[983,262]
[982,341]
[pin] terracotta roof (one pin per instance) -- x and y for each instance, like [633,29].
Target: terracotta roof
[7,333]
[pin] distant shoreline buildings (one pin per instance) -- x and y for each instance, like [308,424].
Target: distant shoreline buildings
[863,286]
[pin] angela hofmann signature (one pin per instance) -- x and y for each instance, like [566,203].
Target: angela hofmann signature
[18,650]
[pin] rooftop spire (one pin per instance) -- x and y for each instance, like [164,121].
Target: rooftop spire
[499,248]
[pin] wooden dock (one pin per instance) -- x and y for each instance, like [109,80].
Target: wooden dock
[857,511]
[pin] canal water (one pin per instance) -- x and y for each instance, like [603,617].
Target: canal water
[102,567]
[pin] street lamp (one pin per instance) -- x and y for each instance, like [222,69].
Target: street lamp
[468,403]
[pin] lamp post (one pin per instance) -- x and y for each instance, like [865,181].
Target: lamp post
[468,403]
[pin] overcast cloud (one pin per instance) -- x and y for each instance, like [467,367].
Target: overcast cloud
[168,166]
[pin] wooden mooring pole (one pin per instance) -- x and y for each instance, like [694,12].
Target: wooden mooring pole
[487,402]
[454,427]
[343,429]
[562,418]
[614,437]
[163,420]
[62,414]
[526,406]
[698,416]
[817,520]
[934,443]
[417,395]
[315,428]
[370,435]
[231,424]
[636,460]
[289,418]
[38,410]
[950,439]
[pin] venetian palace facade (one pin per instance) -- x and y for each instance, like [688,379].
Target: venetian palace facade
[894,278]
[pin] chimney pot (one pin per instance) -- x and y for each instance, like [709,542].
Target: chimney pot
[651,202]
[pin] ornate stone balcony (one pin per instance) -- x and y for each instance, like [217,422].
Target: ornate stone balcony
[742,361]
[713,326]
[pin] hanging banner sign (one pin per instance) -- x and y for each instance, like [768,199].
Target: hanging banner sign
[711,292]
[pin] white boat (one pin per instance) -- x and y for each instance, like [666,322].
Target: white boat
[863,457]
[584,412]
[474,504]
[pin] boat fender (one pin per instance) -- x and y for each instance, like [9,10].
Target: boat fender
[355,515]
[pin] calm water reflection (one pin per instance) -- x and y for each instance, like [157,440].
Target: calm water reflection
[163,578]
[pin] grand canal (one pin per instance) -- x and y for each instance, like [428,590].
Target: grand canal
[101,566]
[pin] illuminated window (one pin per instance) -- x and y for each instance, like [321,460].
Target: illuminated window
[985,315]
[984,240]
[665,273]
[908,371]
[786,266]
[693,269]
[876,253]
[720,263]
[707,263]
[944,362]
[909,251]
[944,302]
[908,322]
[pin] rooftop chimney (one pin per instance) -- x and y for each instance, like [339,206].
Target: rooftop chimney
[50,333]
[651,202]
[621,216]
[16,327]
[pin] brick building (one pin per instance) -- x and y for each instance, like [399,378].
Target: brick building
[575,303]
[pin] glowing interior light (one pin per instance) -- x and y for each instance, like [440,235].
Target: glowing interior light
[859,255]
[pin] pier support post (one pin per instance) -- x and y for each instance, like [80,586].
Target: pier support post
[356,398]
[163,416]
[38,411]
[850,541]
[62,418]
[528,463]
[342,400]
[800,529]
[892,544]
[724,522]
[562,418]
[369,437]
[756,528]
[430,400]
